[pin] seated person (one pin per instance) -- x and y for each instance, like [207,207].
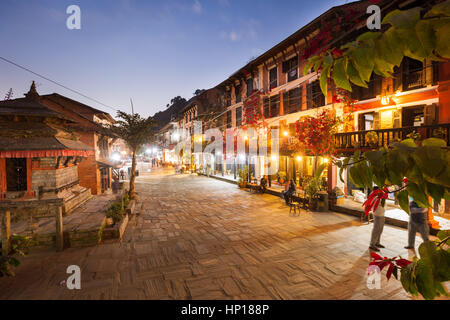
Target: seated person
[263,184]
[290,192]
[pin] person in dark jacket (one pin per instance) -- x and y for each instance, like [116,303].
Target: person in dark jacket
[288,194]
[417,223]
[263,184]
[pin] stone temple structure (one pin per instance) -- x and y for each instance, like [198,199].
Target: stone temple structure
[39,156]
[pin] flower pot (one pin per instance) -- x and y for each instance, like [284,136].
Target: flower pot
[242,185]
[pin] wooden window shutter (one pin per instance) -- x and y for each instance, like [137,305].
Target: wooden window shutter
[376,120]
[285,67]
[397,119]
[309,95]
[430,114]
[361,122]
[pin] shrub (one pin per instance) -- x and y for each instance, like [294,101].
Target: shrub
[115,211]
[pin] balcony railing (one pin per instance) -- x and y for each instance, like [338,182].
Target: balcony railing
[351,140]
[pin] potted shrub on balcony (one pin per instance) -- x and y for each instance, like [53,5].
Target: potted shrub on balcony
[243,177]
[372,139]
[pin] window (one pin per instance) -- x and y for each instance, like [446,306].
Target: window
[411,75]
[266,106]
[292,100]
[314,95]
[274,105]
[237,90]
[366,121]
[249,87]
[374,89]
[291,68]
[238,116]
[273,78]
[229,119]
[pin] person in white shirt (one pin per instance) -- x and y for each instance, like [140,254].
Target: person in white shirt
[378,225]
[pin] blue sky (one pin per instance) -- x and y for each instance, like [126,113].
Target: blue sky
[148,50]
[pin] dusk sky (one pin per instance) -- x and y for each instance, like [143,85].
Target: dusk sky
[150,51]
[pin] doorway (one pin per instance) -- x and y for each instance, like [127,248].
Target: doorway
[16,174]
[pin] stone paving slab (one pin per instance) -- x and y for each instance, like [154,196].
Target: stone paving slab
[198,238]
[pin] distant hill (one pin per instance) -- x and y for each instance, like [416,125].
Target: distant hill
[164,117]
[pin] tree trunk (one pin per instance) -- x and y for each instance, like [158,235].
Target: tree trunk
[131,192]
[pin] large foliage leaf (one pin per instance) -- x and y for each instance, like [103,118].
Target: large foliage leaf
[439,10]
[403,200]
[340,74]
[403,19]
[442,41]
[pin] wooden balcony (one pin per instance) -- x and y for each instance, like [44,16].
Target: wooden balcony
[346,142]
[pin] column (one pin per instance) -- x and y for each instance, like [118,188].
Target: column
[30,193]
[2,178]
[6,232]
[59,229]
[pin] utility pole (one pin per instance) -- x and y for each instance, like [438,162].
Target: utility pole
[132,107]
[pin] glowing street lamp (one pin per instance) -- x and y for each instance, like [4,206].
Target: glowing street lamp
[115,157]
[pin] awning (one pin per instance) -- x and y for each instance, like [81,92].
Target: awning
[105,164]
[45,153]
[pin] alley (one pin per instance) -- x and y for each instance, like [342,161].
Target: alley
[199,238]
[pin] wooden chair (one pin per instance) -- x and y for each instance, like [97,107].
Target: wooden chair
[294,203]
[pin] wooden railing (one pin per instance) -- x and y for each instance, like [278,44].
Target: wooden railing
[351,140]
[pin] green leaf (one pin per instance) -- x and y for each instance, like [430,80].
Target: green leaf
[409,143]
[430,160]
[441,9]
[363,60]
[425,34]
[354,76]
[340,75]
[442,41]
[344,165]
[391,47]
[442,234]
[13,262]
[309,64]
[435,191]
[425,280]
[418,194]
[403,19]
[434,142]
[403,200]
[324,80]
[370,35]
[407,278]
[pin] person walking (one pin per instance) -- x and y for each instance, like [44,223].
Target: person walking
[378,225]
[417,223]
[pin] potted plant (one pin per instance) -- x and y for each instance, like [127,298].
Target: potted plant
[372,138]
[243,177]
[281,177]
[313,186]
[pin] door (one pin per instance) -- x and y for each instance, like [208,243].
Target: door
[16,174]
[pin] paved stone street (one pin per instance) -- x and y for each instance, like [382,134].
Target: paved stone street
[199,238]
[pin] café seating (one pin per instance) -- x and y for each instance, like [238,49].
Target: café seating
[294,204]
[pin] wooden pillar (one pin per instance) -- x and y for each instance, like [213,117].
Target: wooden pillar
[30,192]
[282,105]
[6,232]
[2,178]
[332,177]
[59,229]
